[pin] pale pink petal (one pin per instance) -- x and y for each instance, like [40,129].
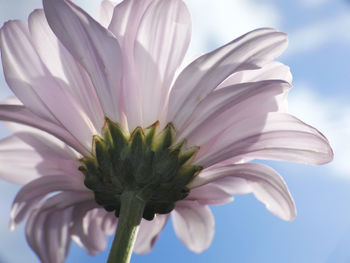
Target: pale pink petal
[35,233]
[62,65]
[18,161]
[46,145]
[57,234]
[229,105]
[48,234]
[91,45]
[148,233]
[19,114]
[55,157]
[264,182]
[209,195]
[11,100]
[88,228]
[162,40]
[30,194]
[39,139]
[79,233]
[92,222]
[126,19]
[22,66]
[271,71]
[105,13]
[31,153]
[49,225]
[275,136]
[194,225]
[45,157]
[67,199]
[29,79]
[124,25]
[109,223]
[250,51]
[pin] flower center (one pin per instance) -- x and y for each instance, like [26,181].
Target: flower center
[146,162]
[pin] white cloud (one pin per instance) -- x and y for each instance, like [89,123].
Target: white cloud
[218,22]
[317,34]
[331,116]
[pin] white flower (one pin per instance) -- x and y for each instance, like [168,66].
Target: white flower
[71,73]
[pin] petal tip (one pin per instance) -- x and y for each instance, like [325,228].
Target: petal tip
[12,225]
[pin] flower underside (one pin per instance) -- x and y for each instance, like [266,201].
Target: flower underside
[146,162]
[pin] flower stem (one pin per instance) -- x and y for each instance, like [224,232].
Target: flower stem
[130,216]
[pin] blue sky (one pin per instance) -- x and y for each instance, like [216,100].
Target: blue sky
[318,55]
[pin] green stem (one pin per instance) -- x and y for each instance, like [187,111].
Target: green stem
[130,216]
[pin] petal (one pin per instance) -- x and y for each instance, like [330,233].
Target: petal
[57,234]
[30,194]
[48,227]
[105,13]
[62,65]
[251,51]
[271,71]
[48,155]
[67,199]
[92,223]
[29,79]
[109,223]
[87,229]
[124,25]
[39,139]
[11,100]
[17,161]
[229,105]
[209,195]
[126,19]
[22,67]
[162,40]
[47,233]
[194,225]
[30,153]
[91,45]
[264,182]
[276,136]
[19,114]
[47,146]
[149,233]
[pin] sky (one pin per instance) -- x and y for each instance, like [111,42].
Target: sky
[318,55]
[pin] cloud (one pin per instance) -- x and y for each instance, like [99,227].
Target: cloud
[218,22]
[318,34]
[331,116]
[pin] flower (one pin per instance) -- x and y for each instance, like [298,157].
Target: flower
[78,80]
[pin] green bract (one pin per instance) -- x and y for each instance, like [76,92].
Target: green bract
[146,162]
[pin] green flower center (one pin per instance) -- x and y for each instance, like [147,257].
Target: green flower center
[147,162]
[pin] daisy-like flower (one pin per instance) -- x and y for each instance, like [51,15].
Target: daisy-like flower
[107,128]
